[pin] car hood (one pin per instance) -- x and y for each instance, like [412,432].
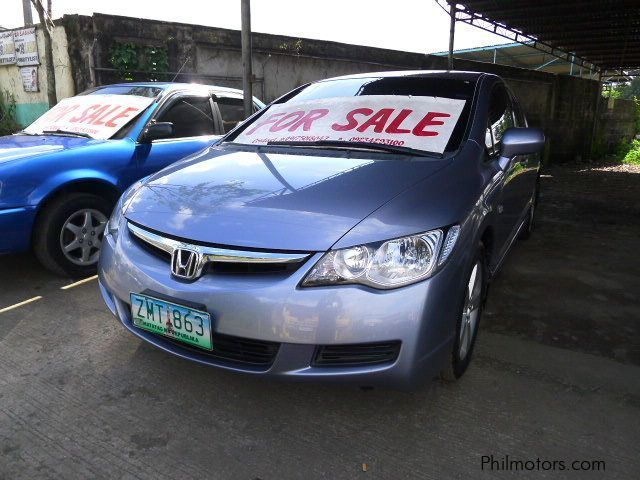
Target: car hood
[13,147]
[277,201]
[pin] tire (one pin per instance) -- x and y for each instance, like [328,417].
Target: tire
[528,227]
[462,350]
[61,223]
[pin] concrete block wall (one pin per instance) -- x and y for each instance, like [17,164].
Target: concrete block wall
[563,106]
[617,122]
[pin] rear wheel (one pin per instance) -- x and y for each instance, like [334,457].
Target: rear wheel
[69,232]
[468,319]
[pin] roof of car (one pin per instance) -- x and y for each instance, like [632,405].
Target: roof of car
[176,86]
[445,74]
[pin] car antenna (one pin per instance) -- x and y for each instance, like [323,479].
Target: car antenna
[178,72]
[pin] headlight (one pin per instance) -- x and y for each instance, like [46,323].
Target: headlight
[389,264]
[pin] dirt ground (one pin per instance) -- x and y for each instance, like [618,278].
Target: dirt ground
[576,282]
[555,377]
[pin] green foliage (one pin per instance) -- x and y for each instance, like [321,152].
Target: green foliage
[155,59]
[124,58]
[292,47]
[632,155]
[632,89]
[628,91]
[8,123]
[613,92]
[147,62]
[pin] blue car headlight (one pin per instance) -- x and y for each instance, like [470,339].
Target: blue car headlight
[390,264]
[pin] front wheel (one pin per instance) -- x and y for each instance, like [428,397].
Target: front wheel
[68,234]
[468,319]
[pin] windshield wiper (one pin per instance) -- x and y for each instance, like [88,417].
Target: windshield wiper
[66,132]
[365,145]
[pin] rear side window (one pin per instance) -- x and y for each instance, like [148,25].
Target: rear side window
[501,115]
[191,117]
[231,110]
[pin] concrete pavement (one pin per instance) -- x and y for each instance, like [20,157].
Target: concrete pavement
[81,398]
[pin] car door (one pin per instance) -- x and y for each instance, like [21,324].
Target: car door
[514,195]
[528,177]
[196,125]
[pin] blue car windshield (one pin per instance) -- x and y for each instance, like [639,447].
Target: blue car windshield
[420,112]
[139,90]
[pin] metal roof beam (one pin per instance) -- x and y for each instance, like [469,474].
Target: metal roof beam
[601,33]
[514,35]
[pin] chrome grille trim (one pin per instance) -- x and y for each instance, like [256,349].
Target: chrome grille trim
[214,254]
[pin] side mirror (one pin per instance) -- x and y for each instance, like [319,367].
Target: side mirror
[156,131]
[521,141]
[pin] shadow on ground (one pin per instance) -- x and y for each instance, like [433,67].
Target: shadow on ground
[576,283]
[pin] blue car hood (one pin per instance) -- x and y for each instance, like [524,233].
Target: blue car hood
[13,147]
[271,201]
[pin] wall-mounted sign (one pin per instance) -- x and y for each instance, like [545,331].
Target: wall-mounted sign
[26,46]
[7,48]
[29,77]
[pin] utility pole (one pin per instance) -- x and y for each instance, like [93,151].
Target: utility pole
[26,12]
[452,32]
[47,29]
[247,76]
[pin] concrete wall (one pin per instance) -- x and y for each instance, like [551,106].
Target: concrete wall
[30,105]
[617,122]
[564,106]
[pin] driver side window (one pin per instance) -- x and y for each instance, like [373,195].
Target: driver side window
[191,117]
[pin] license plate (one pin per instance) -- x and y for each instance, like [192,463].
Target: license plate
[181,323]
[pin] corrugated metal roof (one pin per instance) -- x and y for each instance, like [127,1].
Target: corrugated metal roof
[605,33]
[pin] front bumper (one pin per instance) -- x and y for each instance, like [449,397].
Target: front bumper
[16,225]
[272,308]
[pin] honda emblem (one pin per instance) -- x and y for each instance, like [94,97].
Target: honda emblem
[185,263]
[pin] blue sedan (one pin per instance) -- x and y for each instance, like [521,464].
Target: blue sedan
[61,176]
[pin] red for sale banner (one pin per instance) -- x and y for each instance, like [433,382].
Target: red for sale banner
[99,116]
[424,123]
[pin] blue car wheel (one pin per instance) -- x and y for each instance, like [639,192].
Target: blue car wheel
[68,234]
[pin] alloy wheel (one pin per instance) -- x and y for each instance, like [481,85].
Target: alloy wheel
[470,311]
[81,236]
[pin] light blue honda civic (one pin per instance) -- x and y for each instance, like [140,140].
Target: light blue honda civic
[347,232]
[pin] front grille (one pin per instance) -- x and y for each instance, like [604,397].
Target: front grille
[153,250]
[219,260]
[236,350]
[356,354]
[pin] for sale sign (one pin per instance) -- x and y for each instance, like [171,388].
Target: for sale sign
[26,47]
[7,48]
[99,116]
[424,123]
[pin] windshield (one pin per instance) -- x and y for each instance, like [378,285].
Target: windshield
[422,113]
[96,116]
[139,90]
